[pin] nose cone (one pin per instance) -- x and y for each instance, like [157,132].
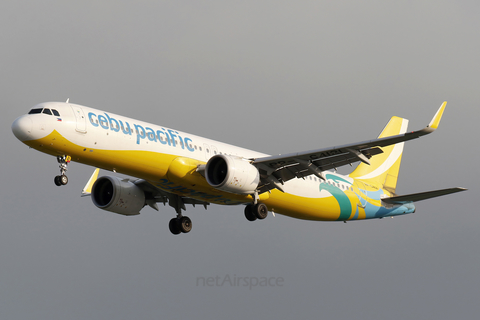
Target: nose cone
[22,128]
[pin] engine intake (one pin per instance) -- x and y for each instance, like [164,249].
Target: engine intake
[232,174]
[118,195]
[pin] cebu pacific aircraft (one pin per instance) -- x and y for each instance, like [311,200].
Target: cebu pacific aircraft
[179,168]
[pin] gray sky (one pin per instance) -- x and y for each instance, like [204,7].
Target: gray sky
[271,76]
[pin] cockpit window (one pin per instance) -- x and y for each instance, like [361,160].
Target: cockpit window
[45,111]
[37,110]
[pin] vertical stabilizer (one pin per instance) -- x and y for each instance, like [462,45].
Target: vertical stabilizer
[383,169]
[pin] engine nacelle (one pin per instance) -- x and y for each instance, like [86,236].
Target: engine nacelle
[232,174]
[118,195]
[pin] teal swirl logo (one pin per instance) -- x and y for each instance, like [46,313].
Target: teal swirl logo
[339,195]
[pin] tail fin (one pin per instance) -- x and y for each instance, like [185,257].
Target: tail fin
[383,169]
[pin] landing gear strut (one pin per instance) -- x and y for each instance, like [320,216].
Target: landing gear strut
[62,179]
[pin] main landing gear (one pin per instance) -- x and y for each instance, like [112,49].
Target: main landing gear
[256,211]
[62,179]
[180,224]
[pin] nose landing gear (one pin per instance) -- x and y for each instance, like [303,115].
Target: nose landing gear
[62,179]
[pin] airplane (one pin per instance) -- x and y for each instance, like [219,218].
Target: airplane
[177,168]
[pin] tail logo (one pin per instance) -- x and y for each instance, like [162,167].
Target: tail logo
[339,195]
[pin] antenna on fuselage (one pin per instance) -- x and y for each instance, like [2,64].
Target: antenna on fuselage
[68,99]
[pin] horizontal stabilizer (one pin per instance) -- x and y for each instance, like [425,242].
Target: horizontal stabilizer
[421,196]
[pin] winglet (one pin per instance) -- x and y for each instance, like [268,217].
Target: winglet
[87,190]
[436,119]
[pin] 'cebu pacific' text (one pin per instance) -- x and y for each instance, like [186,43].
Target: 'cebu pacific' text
[164,136]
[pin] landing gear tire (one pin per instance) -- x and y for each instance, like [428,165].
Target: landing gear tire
[260,210]
[63,179]
[249,213]
[174,227]
[58,181]
[179,225]
[185,224]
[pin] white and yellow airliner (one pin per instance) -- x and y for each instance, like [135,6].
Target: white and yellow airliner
[179,168]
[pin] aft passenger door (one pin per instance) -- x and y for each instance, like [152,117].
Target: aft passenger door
[361,192]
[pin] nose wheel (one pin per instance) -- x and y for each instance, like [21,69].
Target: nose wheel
[62,179]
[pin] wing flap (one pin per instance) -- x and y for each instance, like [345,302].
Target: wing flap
[155,195]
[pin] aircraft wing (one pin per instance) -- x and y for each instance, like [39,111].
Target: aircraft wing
[152,194]
[87,190]
[155,195]
[275,170]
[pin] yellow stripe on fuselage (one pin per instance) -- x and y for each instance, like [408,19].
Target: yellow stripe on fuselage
[178,175]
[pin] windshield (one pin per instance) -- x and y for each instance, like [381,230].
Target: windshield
[45,111]
[37,110]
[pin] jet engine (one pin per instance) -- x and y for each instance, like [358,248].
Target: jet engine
[232,174]
[118,195]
